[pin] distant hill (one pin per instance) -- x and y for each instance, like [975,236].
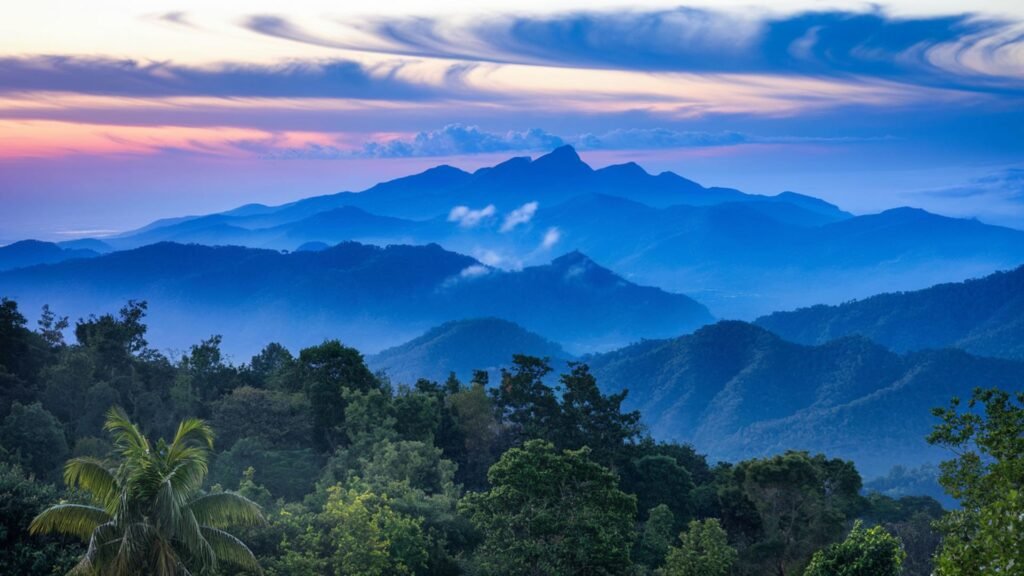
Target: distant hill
[743,255]
[368,296]
[737,390]
[33,252]
[983,316]
[463,346]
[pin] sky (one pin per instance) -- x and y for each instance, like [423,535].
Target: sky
[115,113]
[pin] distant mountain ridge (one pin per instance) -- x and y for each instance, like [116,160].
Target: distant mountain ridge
[461,347]
[34,252]
[984,316]
[369,296]
[743,255]
[738,391]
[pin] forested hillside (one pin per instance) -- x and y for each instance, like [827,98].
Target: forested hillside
[984,316]
[340,472]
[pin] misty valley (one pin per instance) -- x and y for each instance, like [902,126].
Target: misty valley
[534,368]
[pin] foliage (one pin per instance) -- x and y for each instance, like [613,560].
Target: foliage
[21,499]
[987,476]
[359,477]
[37,438]
[656,537]
[356,533]
[148,515]
[552,512]
[801,503]
[865,552]
[703,550]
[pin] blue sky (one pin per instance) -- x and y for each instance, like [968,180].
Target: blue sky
[114,113]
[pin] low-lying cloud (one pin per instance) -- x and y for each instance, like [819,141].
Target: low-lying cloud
[519,216]
[466,217]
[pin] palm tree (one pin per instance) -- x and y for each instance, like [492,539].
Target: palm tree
[148,515]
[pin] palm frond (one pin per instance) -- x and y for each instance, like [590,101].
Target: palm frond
[71,519]
[197,548]
[226,509]
[91,475]
[192,432]
[102,545]
[231,550]
[129,441]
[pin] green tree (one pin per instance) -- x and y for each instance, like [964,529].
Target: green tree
[589,418]
[35,438]
[802,503]
[656,537]
[473,444]
[357,533]
[552,512]
[148,515]
[987,476]
[865,552]
[703,550]
[21,499]
[657,480]
[328,371]
[527,406]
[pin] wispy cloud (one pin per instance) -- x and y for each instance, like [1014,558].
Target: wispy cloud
[656,138]
[461,140]
[466,217]
[305,79]
[996,198]
[551,237]
[961,51]
[457,139]
[519,216]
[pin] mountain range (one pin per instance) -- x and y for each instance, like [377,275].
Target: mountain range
[737,391]
[370,297]
[743,255]
[983,316]
[34,252]
[462,347]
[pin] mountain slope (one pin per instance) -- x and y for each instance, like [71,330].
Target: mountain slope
[743,255]
[33,252]
[370,297]
[737,391]
[463,346]
[983,316]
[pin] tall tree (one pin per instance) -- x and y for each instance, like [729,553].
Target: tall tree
[865,552]
[148,515]
[589,418]
[552,512]
[703,550]
[527,405]
[987,476]
[328,371]
[802,503]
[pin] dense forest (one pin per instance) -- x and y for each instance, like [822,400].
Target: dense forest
[118,459]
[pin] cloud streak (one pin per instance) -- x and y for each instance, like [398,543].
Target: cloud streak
[455,139]
[131,78]
[964,51]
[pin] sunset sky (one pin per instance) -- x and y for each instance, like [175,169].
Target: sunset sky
[114,113]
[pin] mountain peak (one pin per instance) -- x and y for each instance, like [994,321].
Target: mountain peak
[573,258]
[562,158]
[627,170]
